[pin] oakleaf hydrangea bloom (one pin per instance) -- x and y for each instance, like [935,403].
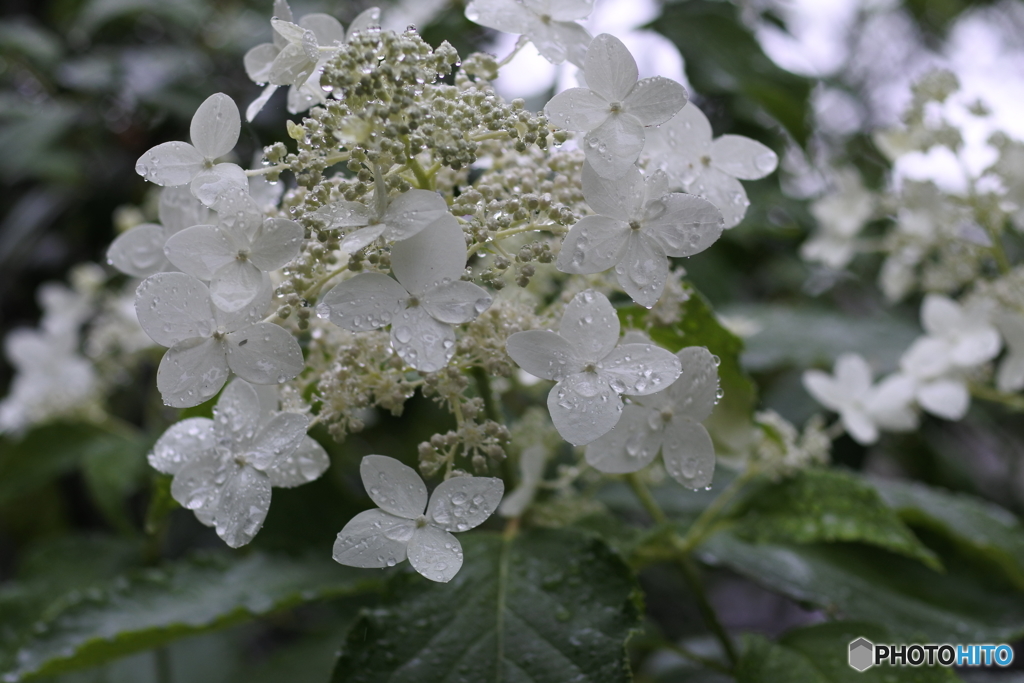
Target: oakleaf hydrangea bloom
[863,406]
[957,339]
[140,251]
[224,468]
[670,421]
[638,226]
[1010,377]
[549,24]
[591,370]
[406,525]
[615,108]
[421,307]
[232,259]
[684,149]
[176,311]
[214,132]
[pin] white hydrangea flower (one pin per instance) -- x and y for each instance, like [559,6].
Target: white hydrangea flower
[864,407]
[638,226]
[224,468]
[549,24]
[840,216]
[394,219]
[669,421]
[405,525]
[956,339]
[591,369]
[531,472]
[233,257]
[615,107]
[205,343]
[1010,377]
[421,307]
[297,56]
[139,252]
[697,164]
[214,132]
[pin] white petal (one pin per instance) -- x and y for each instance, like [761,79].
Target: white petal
[643,270]
[362,237]
[640,369]
[656,186]
[435,554]
[435,255]
[853,374]
[570,10]
[680,142]
[630,447]
[927,358]
[683,224]
[859,425]
[237,415]
[394,487]
[215,126]
[572,38]
[191,372]
[577,109]
[258,61]
[229,321]
[305,464]
[941,316]
[180,210]
[724,191]
[890,404]
[364,20]
[620,198]
[593,245]
[194,485]
[655,100]
[202,249]
[373,540]
[688,453]
[980,345]
[237,210]
[140,251]
[461,503]
[284,12]
[277,441]
[182,442]
[590,325]
[344,214]
[945,398]
[172,307]
[169,164]
[326,28]
[825,389]
[243,505]
[256,106]
[695,393]
[455,302]
[235,285]
[543,353]
[531,471]
[610,68]
[294,64]
[421,341]
[742,157]
[411,212]
[1010,377]
[276,243]
[365,302]
[613,147]
[210,184]
[583,408]
[288,29]
[264,353]
[501,15]
[309,94]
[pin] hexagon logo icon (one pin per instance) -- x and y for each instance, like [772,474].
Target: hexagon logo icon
[862,654]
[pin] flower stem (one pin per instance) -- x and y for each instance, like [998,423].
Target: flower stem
[1013,402]
[520,44]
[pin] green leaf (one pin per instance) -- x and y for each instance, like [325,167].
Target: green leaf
[723,57]
[976,525]
[543,605]
[157,606]
[730,424]
[827,505]
[114,469]
[865,583]
[819,654]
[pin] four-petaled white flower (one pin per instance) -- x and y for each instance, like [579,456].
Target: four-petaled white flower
[297,56]
[234,256]
[669,420]
[1010,377]
[224,468]
[615,107]
[592,371]
[549,24]
[204,342]
[422,305]
[406,525]
[638,226]
[214,132]
[140,251]
[684,149]
[957,339]
[864,407]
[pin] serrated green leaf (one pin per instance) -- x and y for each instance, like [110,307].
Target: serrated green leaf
[154,607]
[974,524]
[543,605]
[865,583]
[827,505]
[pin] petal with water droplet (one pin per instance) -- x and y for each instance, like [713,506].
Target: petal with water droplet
[577,109]
[235,285]
[365,302]
[590,325]
[696,391]
[276,243]
[583,408]
[435,554]
[172,307]
[682,224]
[194,485]
[209,184]
[242,507]
[455,302]
[621,198]
[306,463]
[237,415]
[742,157]
[610,69]
[655,100]
[613,147]
[170,164]
[434,255]
[191,372]
[215,126]
[258,61]
[461,503]
[643,270]
[688,453]
[182,442]
[640,369]
[394,487]
[202,249]
[363,21]
[412,211]
[423,342]
[630,447]
[277,440]
[543,353]
[373,539]
[179,209]
[264,353]
[593,245]
[140,251]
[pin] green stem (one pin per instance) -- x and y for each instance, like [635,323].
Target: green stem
[162,662]
[1013,402]
[483,385]
[701,528]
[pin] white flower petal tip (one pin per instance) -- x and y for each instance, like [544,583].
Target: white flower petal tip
[550,26]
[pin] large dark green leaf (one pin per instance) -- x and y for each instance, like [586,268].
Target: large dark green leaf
[543,605]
